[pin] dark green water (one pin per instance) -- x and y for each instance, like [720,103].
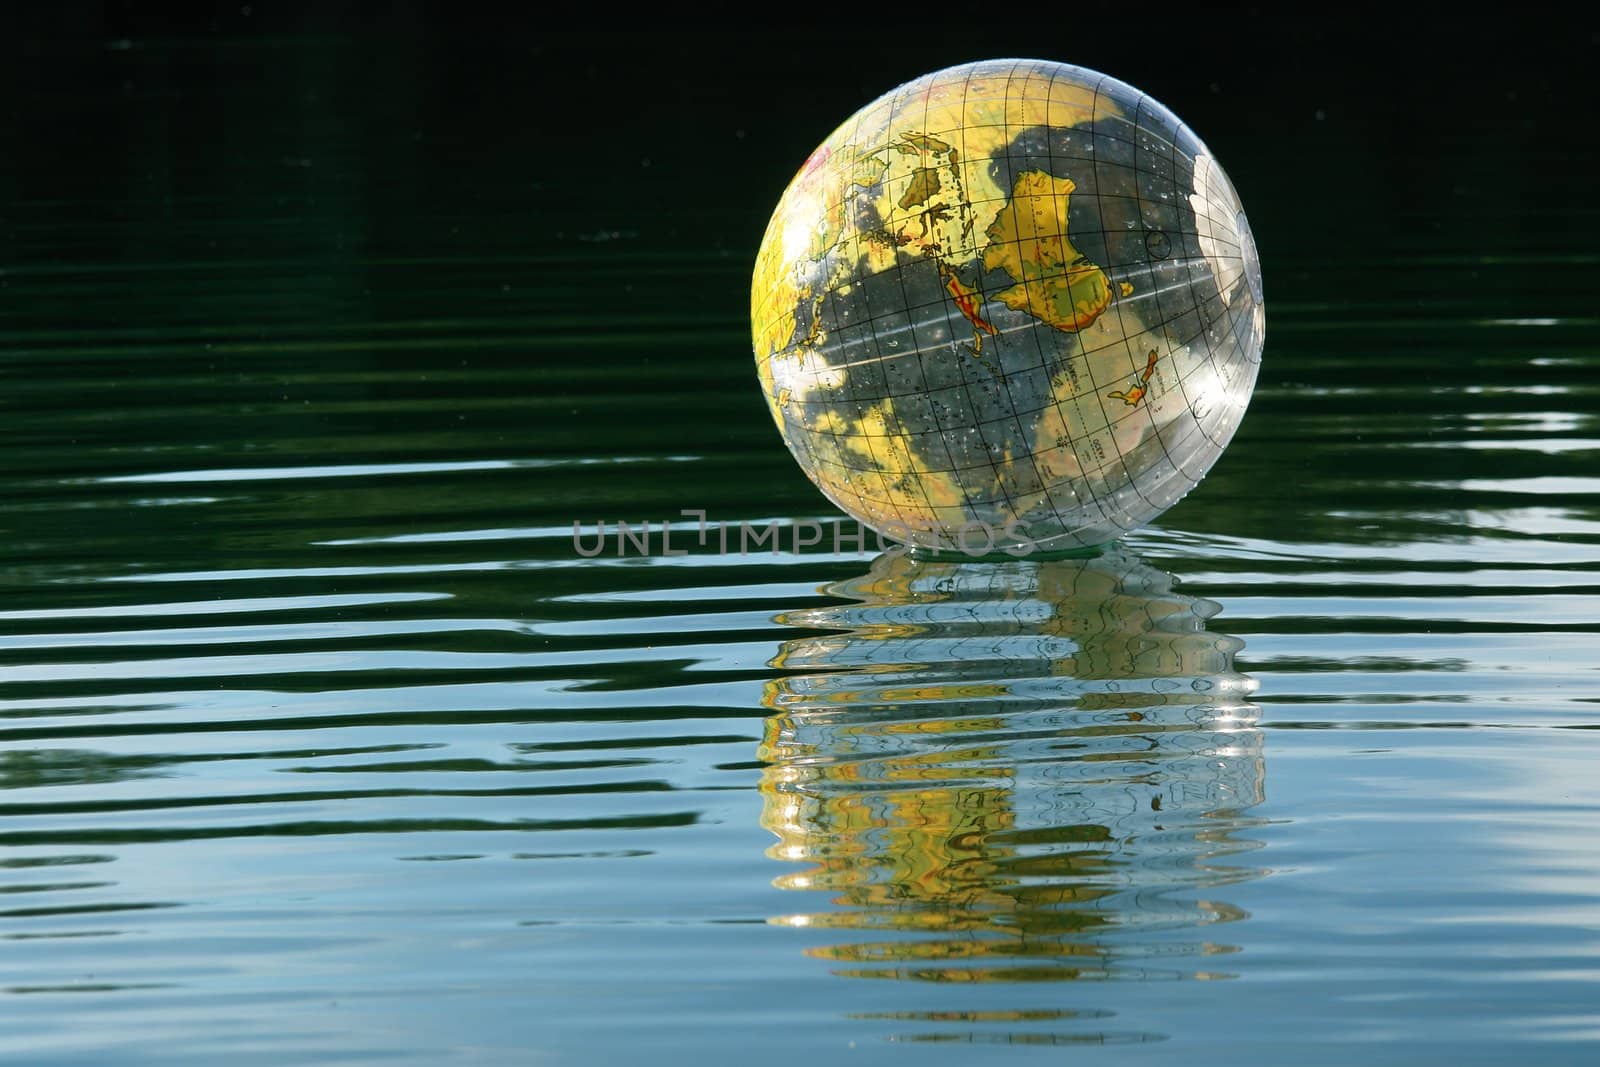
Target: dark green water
[320,742]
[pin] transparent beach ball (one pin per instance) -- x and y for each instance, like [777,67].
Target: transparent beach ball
[1010,305]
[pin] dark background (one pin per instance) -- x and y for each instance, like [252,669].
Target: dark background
[1347,137]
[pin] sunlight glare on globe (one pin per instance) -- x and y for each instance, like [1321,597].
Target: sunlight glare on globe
[1010,303]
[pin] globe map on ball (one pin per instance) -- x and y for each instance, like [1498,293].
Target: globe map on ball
[1010,303]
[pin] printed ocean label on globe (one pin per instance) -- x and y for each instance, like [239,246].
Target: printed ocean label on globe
[1012,304]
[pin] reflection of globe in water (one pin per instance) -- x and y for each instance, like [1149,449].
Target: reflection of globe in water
[1013,772]
[1014,300]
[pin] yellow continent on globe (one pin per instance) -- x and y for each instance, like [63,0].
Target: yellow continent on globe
[882,159]
[1028,240]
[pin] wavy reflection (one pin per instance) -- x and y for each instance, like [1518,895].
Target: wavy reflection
[1018,771]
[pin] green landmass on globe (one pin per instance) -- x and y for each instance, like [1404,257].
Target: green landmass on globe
[1014,295]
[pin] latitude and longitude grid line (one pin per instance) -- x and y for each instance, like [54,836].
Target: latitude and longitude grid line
[1181,378]
[1172,180]
[965,383]
[1111,270]
[1232,317]
[1219,190]
[1050,363]
[852,399]
[1150,267]
[1096,132]
[1048,485]
[1038,347]
[1187,264]
[1238,348]
[1050,101]
[1116,489]
[904,310]
[1005,200]
[1212,187]
[905,297]
[1095,387]
[1205,326]
[1134,411]
[1100,398]
[1147,267]
[1141,265]
[900,281]
[991,382]
[803,442]
[942,305]
[841,441]
[1146,410]
[1193,409]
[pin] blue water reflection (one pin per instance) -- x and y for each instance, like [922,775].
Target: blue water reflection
[1012,772]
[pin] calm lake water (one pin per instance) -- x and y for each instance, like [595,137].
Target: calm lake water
[321,743]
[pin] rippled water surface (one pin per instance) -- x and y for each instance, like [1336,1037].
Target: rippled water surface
[321,741]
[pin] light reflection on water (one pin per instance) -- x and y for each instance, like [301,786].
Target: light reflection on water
[1020,771]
